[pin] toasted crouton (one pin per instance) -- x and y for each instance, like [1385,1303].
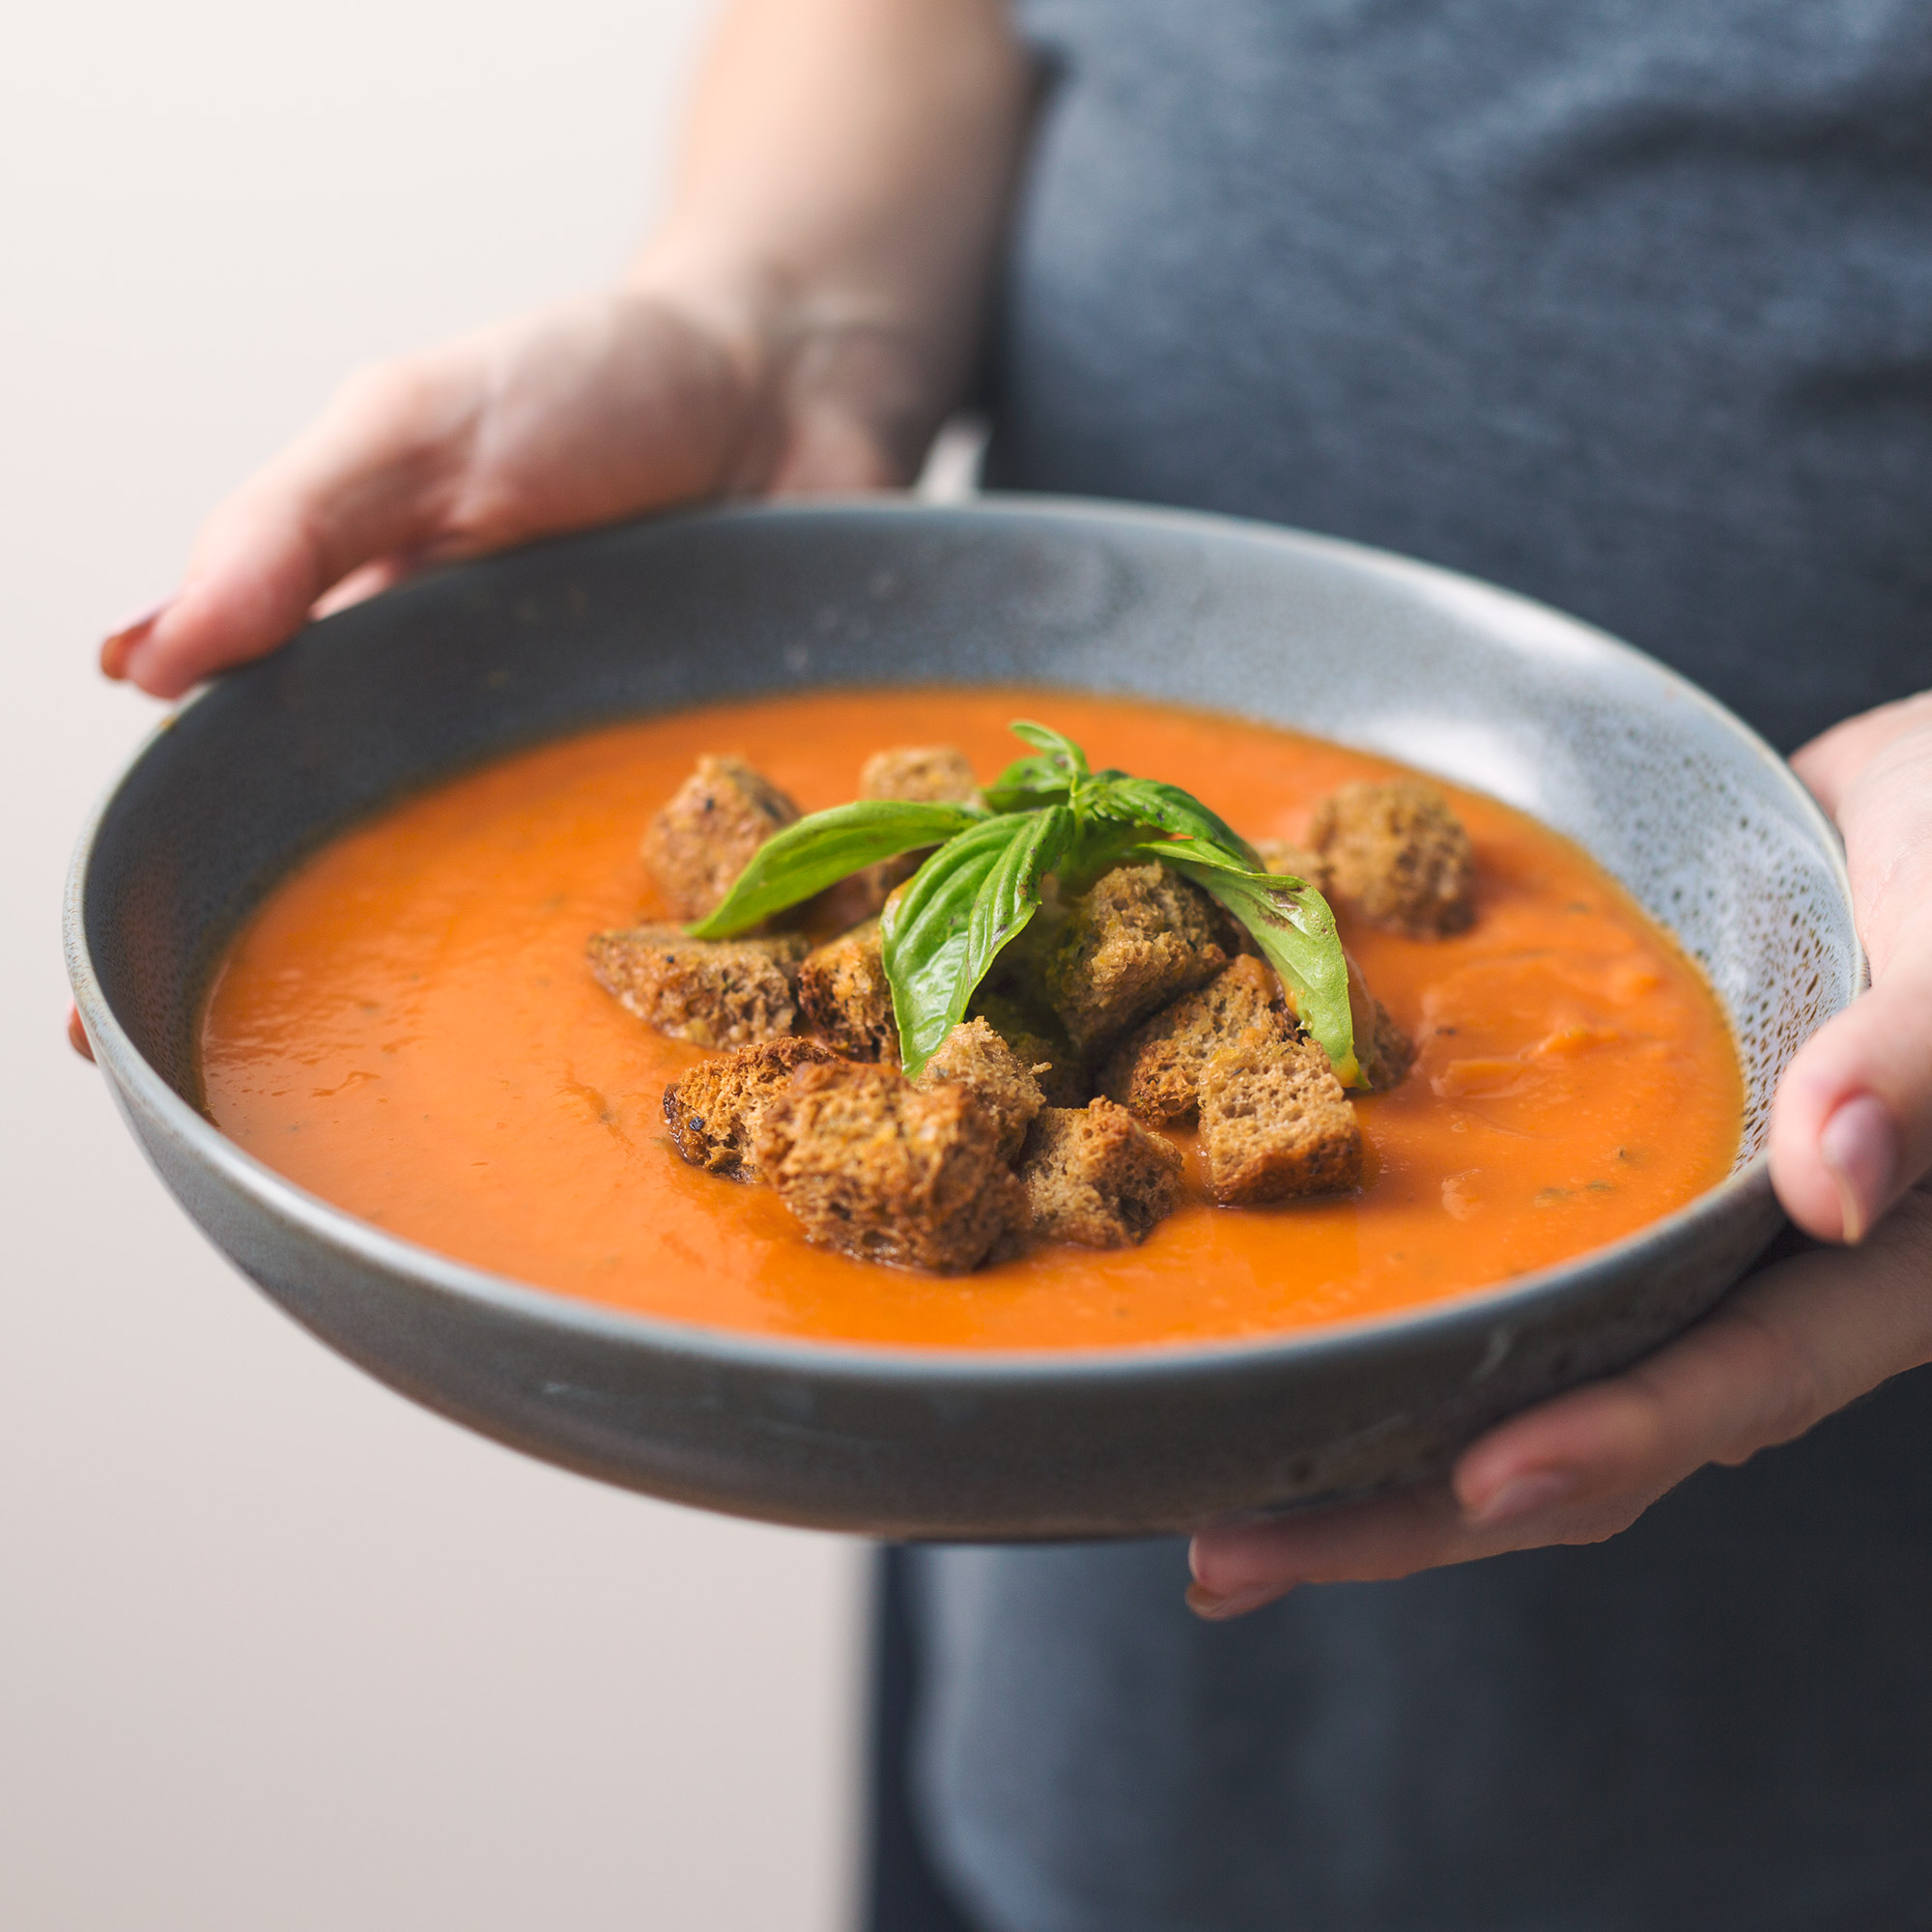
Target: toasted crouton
[701,840]
[843,991]
[1297,861]
[1399,856]
[925,774]
[878,1168]
[1155,1072]
[1385,1059]
[1142,936]
[928,774]
[726,992]
[1039,1042]
[975,1056]
[1274,1122]
[712,1110]
[1095,1176]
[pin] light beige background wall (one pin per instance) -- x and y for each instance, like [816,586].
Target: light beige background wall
[278,1651]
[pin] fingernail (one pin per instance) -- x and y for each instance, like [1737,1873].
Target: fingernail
[121,644]
[1524,1495]
[1218,1608]
[77,1034]
[1860,1150]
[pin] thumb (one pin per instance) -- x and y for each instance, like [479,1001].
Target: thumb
[1852,1126]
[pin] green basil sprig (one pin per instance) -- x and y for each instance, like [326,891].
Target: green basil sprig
[1046,813]
[818,851]
[943,932]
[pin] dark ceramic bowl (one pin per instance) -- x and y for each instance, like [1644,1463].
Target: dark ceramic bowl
[1699,818]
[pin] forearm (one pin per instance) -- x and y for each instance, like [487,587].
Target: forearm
[837,208]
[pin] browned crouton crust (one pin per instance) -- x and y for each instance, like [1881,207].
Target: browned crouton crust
[1274,1122]
[928,774]
[888,1172]
[1399,856]
[1385,1058]
[724,992]
[973,1056]
[1095,1176]
[1156,1070]
[1039,1042]
[1141,937]
[1297,861]
[843,991]
[701,840]
[712,1110]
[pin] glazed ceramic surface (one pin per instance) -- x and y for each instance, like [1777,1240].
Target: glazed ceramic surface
[1695,816]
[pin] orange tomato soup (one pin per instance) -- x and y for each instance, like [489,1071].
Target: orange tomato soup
[407,1029]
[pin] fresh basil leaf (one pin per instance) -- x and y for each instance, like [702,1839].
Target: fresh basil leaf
[1010,895]
[1027,783]
[932,958]
[1293,925]
[819,850]
[1099,847]
[1055,744]
[1167,808]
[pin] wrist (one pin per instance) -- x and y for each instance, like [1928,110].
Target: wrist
[836,386]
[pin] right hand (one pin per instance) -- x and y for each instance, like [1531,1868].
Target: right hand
[598,409]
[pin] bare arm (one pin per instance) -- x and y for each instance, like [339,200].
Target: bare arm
[803,321]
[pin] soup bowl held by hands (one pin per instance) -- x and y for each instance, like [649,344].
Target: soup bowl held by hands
[1698,817]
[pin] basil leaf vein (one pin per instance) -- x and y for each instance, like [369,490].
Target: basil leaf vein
[1166,808]
[939,938]
[1010,894]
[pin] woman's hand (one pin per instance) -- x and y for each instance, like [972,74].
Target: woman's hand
[606,407]
[1851,1141]
[803,320]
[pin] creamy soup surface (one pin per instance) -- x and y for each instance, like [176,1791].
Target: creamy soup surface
[407,1029]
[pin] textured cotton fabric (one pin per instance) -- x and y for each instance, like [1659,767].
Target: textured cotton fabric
[1626,304]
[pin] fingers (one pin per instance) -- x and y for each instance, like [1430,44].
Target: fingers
[366,580]
[77,1034]
[596,409]
[1795,1343]
[374,477]
[593,409]
[1851,1127]
[1831,762]
[1236,1570]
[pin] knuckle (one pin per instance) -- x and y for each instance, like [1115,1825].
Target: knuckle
[406,401]
[1644,1428]
[1791,1396]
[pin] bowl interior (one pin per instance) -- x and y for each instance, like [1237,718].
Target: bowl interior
[1694,814]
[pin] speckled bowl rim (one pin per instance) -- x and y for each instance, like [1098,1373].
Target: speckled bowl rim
[336,1228]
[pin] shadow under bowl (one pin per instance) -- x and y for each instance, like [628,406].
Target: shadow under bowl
[1698,817]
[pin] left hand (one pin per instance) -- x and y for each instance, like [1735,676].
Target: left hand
[1851,1141]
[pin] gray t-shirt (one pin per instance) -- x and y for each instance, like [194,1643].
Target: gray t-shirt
[1626,304]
